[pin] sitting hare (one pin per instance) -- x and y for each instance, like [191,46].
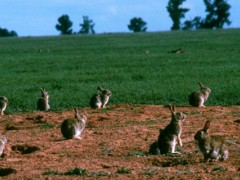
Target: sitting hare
[212,147]
[43,102]
[3,104]
[3,141]
[73,127]
[171,134]
[198,98]
[100,100]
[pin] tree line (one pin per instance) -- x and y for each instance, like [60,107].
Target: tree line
[217,16]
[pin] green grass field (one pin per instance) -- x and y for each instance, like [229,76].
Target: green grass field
[71,67]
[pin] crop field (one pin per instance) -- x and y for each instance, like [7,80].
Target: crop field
[144,76]
[137,68]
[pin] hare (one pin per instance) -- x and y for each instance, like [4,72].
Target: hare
[171,134]
[43,102]
[198,98]
[100,100]
[3,141]
[73,127]
[3,104]
[212,147]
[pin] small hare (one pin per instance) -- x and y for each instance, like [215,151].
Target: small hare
[198,98]
[171,134]
[3,141]
[212,147]
[177,51]
[73,127]
[43,102]
[3,104]
[100,100]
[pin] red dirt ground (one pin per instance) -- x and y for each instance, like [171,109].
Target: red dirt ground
[115,144]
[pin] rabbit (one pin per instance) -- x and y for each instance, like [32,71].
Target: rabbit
[100,100]
[73,127]
[43,102]
[3,104]
[171,134]
[3,141]
[212,147]
[198,98]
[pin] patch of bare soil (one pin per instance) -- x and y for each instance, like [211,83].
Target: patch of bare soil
[115,145]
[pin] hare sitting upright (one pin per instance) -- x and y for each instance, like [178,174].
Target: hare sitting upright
[100,100]
[43,102]
[3,104]
[198,98]
[73,127]
[212,147]
[171,134]
[3,141]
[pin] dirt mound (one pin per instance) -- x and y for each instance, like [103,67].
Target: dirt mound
[115,144]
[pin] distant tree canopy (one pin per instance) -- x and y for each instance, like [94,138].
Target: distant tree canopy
[64,25]
[87,27]
[137,25]
[5,33]
[217,15]
[176,12]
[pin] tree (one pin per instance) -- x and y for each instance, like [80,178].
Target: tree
[64,25]
[218,14]
[176,12]
[137,25]
[5,33]
[192,24]
[87,26]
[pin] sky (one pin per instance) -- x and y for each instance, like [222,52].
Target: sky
[39,17]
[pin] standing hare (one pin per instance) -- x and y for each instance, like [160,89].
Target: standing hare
[43,102]
[3,104]
[100,100]
[171,134]
[3,141]
[73,127]
[212,147]
[198,98]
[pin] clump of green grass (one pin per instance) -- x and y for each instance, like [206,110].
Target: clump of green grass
[123,170]
[218,168]
[136,153]
[51,173]
[76,171]
[148,173]
[46,126]
[142,123]
[98,173]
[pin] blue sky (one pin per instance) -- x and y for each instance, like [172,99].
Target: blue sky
[39,17]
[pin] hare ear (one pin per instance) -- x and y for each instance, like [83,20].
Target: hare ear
[207,125]
[171,107]
[75,110]
[100,88]
[42,90]
[201,85]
